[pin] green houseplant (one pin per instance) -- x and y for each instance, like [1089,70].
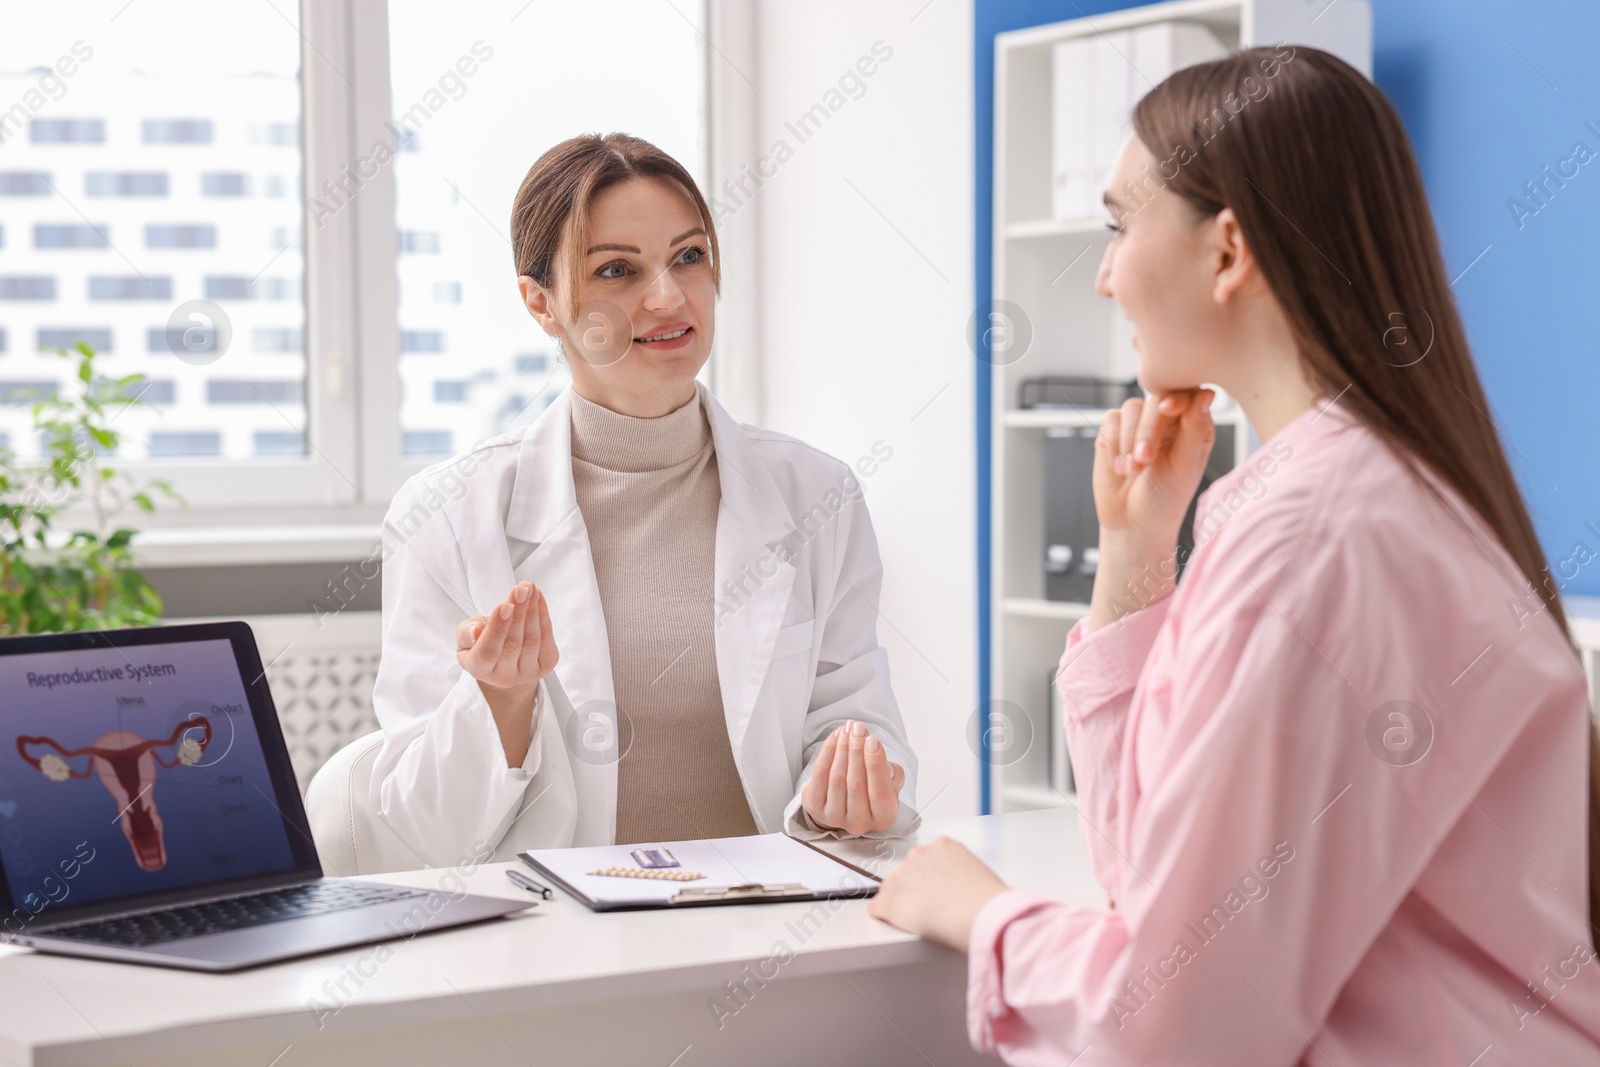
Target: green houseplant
[78,579]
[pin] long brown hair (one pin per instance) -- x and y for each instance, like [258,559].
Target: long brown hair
[1315,164]
[554,199]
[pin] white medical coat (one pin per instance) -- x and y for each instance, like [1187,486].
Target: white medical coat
[797,580]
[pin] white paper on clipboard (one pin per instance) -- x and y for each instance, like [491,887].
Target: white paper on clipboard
[763,859]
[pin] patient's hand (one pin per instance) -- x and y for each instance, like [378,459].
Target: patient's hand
[937,893]
[853,786]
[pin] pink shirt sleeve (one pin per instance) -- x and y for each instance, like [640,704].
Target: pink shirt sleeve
[1259,844]
[1100,671]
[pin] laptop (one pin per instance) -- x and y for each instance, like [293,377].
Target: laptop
[149,812]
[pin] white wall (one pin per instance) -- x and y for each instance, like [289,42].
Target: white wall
[864,243]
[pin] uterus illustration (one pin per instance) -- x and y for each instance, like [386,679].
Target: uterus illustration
[126,764]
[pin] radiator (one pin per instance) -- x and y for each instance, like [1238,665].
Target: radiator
[321,673]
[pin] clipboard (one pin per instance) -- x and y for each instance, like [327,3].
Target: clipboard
[764,868]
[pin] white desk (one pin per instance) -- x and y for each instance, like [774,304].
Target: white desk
[556,985]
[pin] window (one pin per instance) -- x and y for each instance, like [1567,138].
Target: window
[224,184]
[98,338]
[195,174]
[252,392]
[129,287]
[421,341]
[68,131]
[124,183]
[241,288]
[418,241]
[151,391]
[278,339]
[21,392]
[25,183]
[27,287]
[286,134]
[185,443]
[177,95]
[279,443]
[177,131]
[173,235]
[70,235]
[427,443]
[452,75]
[163,391]
[533,363]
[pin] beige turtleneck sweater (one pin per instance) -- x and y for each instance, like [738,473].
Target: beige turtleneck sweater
[649,494]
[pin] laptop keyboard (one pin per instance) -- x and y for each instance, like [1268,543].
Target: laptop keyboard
[257,909]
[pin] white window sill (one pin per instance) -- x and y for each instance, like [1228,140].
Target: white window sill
[209,546]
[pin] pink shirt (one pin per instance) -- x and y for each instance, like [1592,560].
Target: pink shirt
[1336,788]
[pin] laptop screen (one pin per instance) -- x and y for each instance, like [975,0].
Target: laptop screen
[131,768]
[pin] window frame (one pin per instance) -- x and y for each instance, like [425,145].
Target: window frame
[326,484]
[354,462]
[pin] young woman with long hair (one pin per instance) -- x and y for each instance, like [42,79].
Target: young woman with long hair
[1338,783]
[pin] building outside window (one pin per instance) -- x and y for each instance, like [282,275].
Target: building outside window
[170,167]
[114,185]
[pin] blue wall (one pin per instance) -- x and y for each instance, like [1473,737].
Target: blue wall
[1491,92]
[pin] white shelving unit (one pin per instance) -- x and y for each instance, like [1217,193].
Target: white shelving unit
[1046,266]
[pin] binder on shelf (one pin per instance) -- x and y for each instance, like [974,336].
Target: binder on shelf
[1069,391]
[1095,82]
[1072,531]
[1160,49]
[1111,97]
[1071,197]
[1071,527]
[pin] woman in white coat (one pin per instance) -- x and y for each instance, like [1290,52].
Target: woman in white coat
[711,587]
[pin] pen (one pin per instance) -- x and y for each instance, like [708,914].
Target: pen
[518,878]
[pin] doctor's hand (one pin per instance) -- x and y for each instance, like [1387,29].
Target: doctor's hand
[1149,458]
[508,651]
[937,893]
[511,647]
[853,789]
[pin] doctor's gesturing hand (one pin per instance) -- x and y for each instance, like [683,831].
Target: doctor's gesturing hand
[854,788]
[509,651]
[1149,458]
